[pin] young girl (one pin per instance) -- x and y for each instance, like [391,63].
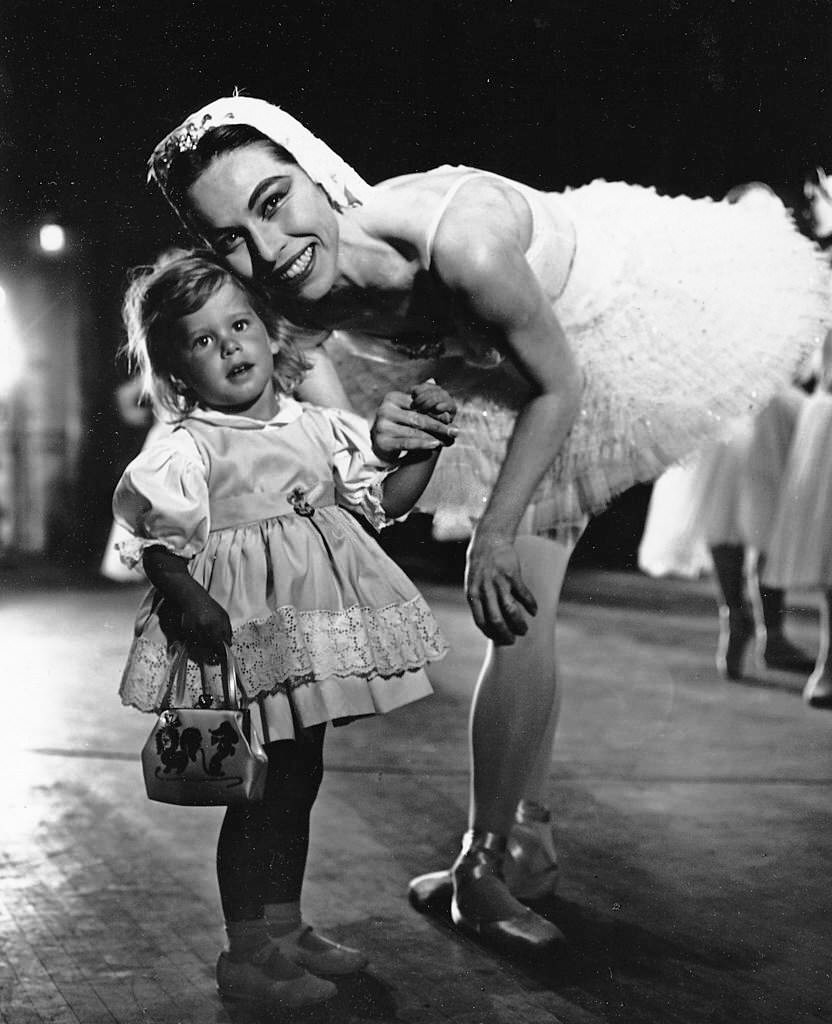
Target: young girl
[245,519]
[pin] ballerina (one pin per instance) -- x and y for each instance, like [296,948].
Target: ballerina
[591,338]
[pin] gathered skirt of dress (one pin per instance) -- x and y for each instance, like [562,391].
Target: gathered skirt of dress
[325,625]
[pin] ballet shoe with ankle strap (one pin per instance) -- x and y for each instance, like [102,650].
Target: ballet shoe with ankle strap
[511,926]
[530,866]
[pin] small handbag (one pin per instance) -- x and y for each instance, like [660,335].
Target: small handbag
[207,755]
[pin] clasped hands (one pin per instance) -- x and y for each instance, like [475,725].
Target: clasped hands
[413,423]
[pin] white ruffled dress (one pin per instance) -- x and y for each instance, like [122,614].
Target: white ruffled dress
[800,552]
[325,625]
[683,313]
[728,494]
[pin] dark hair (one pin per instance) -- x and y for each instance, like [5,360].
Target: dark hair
[188,165]
[180,282]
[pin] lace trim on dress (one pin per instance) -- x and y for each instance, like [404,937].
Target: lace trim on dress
[371,506]
[131,551]
[293,648]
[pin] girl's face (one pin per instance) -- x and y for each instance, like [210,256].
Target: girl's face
[225,355]
[269,220]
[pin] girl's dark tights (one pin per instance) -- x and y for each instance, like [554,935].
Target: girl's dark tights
[262,847]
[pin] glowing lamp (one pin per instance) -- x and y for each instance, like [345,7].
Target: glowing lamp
[52,238]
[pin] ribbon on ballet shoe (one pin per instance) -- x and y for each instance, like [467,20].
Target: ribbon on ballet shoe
[510,926]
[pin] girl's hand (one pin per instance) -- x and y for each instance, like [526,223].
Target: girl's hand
[205,625]
[399,428]
[433,400]
[495,589]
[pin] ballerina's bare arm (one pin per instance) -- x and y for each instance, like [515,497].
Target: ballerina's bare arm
[479,253]
[321,385]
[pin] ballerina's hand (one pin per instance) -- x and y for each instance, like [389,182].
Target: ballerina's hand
[495,589]
[398,428]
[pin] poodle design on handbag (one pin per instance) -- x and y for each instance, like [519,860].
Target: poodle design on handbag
[177,747]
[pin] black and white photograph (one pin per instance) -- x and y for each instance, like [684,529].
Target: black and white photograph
[416,512]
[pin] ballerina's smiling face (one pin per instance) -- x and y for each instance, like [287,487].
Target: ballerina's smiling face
[269,220]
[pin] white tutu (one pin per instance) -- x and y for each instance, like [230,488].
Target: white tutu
[683,313]
[728,494]
[673,542]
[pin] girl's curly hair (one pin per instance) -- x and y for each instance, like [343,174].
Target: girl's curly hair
[180,282]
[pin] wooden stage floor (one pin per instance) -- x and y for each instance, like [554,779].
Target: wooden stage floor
[693,827]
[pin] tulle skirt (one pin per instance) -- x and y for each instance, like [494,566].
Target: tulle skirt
[684,314]
[727,494]
[800,553]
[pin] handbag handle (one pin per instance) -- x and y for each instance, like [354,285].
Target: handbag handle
[172,691]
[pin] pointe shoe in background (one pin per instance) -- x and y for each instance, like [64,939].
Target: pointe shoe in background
[818,690]
[736,628]
[777,652]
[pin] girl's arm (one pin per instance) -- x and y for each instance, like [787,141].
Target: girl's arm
[205,623]
[162,500]
[402,489]
[397,426]
[480,255]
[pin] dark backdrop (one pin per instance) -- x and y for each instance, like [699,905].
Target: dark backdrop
[688,96]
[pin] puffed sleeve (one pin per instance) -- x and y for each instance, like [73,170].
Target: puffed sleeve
[358,472]
[162,499]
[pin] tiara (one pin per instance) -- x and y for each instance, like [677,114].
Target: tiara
[184,139]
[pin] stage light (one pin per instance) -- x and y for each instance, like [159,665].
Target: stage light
[52,238]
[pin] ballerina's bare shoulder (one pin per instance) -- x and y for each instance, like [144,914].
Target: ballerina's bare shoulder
[414,210]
